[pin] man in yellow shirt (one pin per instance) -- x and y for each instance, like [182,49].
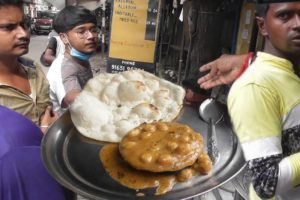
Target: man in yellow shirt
[264,105]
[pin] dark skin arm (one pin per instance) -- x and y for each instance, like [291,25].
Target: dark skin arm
[49,56]
[69,98]
[50,52]
[223,70]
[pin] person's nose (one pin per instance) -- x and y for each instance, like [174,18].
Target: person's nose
[296,22]
[89,34]
[22,31]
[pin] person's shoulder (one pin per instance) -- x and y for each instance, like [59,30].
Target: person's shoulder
[34,69]
[27,62]
[52,43]
[69,63]
[70,67]
[52,34]
[53,39]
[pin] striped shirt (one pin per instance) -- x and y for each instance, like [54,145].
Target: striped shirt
[264,105]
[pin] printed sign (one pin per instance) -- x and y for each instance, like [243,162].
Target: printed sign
[133,35]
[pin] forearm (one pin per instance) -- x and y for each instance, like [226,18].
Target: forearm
[69,98]
[289,173]
[264,173]
[274,175]
[235,62]
[49,58]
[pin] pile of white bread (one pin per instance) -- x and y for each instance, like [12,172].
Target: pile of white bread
[110,105]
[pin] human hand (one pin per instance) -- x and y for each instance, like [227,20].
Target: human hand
[47,118]
[223,70]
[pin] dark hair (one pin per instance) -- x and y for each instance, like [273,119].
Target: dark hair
[17,3]
[262,9]
[72,16]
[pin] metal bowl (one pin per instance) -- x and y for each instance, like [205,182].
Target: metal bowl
[73,160]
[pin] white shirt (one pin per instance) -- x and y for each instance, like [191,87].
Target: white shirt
[57,91]
[60,46]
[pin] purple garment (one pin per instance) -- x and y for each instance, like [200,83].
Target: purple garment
[23,175]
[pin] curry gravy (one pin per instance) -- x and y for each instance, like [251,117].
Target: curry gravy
[129,177]
[120,171]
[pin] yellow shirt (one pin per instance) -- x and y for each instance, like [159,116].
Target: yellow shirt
[264,105]
[30,106]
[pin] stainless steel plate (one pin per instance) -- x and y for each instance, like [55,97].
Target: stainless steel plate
[73,160]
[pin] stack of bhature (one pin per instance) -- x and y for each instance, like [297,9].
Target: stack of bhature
[112,104]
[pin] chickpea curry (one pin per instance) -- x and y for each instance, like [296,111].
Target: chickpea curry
[158,155]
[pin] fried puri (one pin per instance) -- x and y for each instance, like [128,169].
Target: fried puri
[161,147]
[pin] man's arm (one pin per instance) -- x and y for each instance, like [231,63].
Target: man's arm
[264,175]
[49,56]
[223,70]
[69,98]
[50,52]
[272,174]
[256,116]
[47,118]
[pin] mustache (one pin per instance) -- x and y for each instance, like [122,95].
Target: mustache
[22,41]
[297,29]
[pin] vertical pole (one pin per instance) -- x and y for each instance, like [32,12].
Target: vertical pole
[103,29]
[184,9]
[160,34]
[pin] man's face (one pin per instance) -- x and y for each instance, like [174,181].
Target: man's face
[282,27]
[83,37]
[14,33]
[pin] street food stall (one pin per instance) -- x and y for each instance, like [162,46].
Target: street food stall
[178,37]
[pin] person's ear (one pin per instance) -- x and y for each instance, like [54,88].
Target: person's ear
[261,25]
[64,38]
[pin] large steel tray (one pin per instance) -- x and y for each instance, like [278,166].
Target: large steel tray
[73,160]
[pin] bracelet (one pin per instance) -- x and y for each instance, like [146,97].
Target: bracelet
[246,64]
[44,126]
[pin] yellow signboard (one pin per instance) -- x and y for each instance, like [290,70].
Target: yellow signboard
[133,30]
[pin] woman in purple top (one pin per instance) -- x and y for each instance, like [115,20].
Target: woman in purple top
[23,175]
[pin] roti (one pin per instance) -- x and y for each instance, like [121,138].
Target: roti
[161,147]
[110,105]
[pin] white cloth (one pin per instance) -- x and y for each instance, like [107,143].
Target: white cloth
[60,47]
[57,91]
[182,1]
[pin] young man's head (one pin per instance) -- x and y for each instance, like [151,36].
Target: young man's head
[17,3]
[14,29]
[78,30]
[279,23]
[262,9]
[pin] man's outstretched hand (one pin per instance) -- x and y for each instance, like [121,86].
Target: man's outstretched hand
[223,70]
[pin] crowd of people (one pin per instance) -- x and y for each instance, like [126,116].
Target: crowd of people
[27,97]
[263,102]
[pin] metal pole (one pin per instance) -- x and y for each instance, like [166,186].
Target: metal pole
[103,29]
